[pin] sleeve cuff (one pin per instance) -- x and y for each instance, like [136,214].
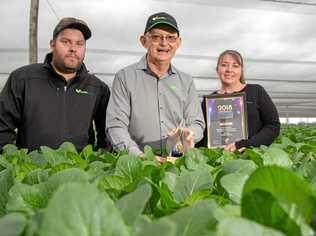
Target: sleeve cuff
[241,143]
[135,151]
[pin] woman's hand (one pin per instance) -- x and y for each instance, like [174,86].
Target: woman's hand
[232,147]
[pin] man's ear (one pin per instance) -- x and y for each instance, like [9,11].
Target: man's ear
[52,44]
[143,41]
[179,42]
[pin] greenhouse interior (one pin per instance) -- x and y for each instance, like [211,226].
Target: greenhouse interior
[265,190]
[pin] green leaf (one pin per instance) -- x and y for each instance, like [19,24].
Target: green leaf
[12,224]
[239,166]
[194,158]
[66,176]
[307,148]
[67,147]
[285,186]
[51,156]
[188,182]
[144,227]
[167,201]
[262,207]
[233,184]
[197,196]
[133,204]
[6,182]
[211,154]
[276,156]
[87,212]
[309,169]
[9,149]
[113,182]
[129,167]
[36,176]
[4,164]
[34,223]
[27,199]
[243,227]
[30,199]
[254,155]
[97,170]
[86,152]
[149,154]
[194,220]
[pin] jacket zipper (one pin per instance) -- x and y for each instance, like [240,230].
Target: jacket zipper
[64,131]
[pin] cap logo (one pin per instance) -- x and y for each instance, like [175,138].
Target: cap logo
[159,18]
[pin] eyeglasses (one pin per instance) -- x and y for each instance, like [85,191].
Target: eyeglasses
[157,38]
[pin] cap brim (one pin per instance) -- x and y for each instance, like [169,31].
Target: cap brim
[163,23]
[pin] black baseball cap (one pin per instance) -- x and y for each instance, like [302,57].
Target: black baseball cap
[161,18]
[72,23]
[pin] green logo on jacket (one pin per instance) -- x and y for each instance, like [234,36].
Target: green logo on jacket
[79,91]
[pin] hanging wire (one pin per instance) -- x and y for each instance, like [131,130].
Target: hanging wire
[291,2]
[52,9]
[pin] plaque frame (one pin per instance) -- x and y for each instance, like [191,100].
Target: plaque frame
[221,119]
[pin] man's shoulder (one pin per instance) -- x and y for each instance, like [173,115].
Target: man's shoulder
[129,74]
[181,73]
[31,68]
[93,80]
[27,71]
[130,68]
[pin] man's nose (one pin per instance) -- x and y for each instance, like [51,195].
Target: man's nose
[163,40]
[72,47]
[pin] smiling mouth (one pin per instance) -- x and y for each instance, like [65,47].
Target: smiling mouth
[162,50]
[72,57]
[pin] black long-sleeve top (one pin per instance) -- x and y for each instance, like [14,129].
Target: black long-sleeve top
[262,116]
[47,111]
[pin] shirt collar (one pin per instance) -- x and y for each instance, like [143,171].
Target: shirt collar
[142,65]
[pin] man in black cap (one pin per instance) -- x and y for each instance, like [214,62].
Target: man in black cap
[46,104]
[151,98]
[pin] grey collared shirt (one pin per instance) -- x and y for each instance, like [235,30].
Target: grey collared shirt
[143,109]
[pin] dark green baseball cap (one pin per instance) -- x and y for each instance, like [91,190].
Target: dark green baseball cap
[161,18]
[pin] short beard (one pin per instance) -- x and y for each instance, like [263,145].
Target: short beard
[63,68]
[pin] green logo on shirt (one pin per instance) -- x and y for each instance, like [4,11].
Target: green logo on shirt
[79,91]
[173,88]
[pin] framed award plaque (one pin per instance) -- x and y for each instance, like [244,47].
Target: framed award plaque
[226,119]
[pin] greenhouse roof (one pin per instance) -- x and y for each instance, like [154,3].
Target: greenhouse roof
[276,38]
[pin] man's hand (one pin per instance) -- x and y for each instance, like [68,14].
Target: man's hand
[185,136]
[187,139]
[160,159]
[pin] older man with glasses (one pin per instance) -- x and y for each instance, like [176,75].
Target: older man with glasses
[151,98]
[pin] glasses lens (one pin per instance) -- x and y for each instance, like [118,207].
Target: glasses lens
[159,38]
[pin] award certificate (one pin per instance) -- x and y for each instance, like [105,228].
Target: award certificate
[226,119]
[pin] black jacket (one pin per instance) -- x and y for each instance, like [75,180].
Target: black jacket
[262,117]
[39,108]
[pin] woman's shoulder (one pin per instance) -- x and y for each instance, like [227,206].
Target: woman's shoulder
[254,86]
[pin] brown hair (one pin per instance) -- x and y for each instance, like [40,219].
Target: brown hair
[237,56]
